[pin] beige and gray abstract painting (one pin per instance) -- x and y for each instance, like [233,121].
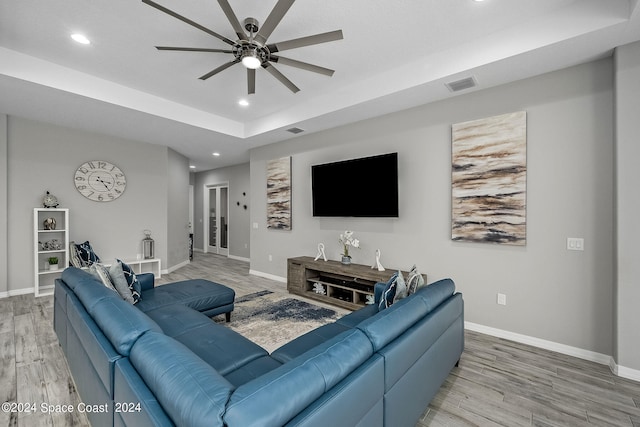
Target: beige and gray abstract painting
[489,179]
[279,193]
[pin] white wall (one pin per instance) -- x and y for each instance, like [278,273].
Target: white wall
[237,177]
[44,157]
[177,209]
[627,79]
[552,294]
[3,204]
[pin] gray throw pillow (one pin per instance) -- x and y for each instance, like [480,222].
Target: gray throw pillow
[401,288]
[120,282]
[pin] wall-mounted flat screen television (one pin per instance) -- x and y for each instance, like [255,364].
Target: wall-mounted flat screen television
[364,187]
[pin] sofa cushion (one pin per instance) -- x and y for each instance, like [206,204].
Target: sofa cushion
[198,294]
[190,391]
[309,375]
[222,348]
[435,293]
[354,318]
[176,319]
[305,342]
[121,322]
[385,326]
[252,370]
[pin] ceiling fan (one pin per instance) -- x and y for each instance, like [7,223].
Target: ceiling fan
[252,49]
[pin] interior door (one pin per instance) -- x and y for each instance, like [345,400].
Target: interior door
[217,232]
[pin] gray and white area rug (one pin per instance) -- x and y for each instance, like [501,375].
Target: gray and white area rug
[272,320]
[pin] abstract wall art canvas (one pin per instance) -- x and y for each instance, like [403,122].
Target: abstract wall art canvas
[489,179]
[279,194]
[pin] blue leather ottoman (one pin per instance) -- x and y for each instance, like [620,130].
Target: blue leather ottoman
[205,296]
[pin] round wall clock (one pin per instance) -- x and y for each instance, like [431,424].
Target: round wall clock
[100,181]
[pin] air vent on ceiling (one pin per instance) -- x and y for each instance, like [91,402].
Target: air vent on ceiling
[462,84]
[295,130]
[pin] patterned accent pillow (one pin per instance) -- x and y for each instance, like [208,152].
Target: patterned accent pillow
[120,282]
[386,300]
[87,254]
[415,281]
[132,281]
[74,257]
[101,272]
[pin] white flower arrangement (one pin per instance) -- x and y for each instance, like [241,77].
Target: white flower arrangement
[347,239]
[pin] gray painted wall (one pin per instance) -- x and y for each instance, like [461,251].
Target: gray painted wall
[3,203]
[237,177]
[44,157]
[627,59]
[553,294]
[177,208]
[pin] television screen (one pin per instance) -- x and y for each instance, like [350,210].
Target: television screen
[365,187]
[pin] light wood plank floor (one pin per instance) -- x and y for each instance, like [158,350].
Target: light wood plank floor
[498,383]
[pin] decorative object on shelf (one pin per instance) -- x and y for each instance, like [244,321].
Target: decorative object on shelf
[49,201]
[377,264]
[346,239]
[319,289]
[53,263]
[100,181]
[148,245]
[321,253]
[489,179]
[279,193]
[370,300]
[49,224]
[52,245]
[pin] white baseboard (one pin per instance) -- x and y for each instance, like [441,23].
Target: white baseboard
[175,267]
[14,292]
[239,258]
[268,276]
[592,356]
[624,372]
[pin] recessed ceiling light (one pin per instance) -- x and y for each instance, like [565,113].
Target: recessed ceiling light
[192,167]
[80,38]
[216,154]
[243,102]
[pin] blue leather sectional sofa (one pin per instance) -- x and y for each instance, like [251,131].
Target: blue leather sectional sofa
[173,366]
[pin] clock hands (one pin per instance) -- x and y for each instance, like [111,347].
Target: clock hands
[103,183]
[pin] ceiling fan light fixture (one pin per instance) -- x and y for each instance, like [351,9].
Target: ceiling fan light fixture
[250,60]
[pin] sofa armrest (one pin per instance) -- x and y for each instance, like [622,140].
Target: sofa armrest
[146,280]
[378,290]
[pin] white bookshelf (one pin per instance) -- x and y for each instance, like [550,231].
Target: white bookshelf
[44,276]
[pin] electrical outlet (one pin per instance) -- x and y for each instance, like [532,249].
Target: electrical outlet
[270,257]
[575,244]
[502,299]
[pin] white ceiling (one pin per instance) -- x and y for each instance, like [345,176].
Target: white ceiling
[394,55]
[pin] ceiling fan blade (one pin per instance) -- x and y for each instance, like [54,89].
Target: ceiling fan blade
[306,41]
[193,49]
[188,21]
[278,75]
[251,81]
[220,68]
[233,19]
[272,21]
[302,65]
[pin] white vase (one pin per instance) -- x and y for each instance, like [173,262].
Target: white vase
[346,260]
[53,266]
